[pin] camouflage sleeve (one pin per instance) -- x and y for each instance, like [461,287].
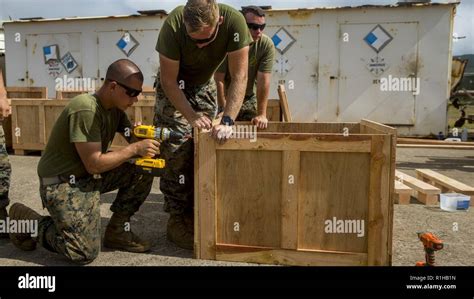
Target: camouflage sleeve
[266,66]
[84,127]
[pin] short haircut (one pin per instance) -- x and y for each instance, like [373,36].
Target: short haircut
[123,69]
[258,11]
[200,13]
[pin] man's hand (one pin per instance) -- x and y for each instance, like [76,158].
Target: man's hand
[147,148]
[260,121]
[221,133]
[201,122]
[5,108]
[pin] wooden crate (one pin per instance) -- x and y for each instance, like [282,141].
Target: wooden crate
[268,201]
[19,93]
[33,120]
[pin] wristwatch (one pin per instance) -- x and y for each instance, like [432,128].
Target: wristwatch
[227,120]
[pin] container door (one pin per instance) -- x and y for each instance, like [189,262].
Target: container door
[296,66]
[378,68]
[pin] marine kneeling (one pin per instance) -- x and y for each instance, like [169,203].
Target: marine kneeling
[76,168]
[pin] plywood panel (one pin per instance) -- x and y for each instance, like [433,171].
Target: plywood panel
[333,185]
[249,195]
[27,122]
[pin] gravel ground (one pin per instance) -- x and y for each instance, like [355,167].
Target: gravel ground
[150,221]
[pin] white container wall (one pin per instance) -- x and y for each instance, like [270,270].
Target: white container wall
[391,64]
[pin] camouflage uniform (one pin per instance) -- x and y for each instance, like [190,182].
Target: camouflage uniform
[248,109]
[177,182]
[5,171]
[73,229]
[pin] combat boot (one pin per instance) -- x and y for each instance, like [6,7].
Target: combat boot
[3,217]
[180,231]
[118,235]
[23,241]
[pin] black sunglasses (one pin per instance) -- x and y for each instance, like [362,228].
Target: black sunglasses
[131,92]
[205,40]
[254,26]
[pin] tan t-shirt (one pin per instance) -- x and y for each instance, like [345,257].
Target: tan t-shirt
[196,66]
[84,119]
[261,59]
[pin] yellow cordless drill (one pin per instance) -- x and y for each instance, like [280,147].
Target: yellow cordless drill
[151,165]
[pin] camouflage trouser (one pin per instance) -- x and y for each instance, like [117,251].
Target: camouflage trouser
[5,171]
[73,227]
[177,182]
[248,109]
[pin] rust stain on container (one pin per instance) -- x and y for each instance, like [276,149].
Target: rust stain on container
[300,14]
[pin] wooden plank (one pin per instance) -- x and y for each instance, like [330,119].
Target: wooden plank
[27,92]
[197,208]
[290,199]
[372,127]
[449,183]
[301,142]
[379,199]
[336,128]
[416,184]
[432,142]
[447,147]
[284,103]
[403,193]
[290,257]
[207,195]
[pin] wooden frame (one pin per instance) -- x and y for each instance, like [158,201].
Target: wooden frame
[246,186]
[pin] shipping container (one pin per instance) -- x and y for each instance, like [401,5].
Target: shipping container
[387,63]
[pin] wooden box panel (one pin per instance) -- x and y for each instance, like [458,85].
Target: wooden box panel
[269,201]
[249,201]
[332,185]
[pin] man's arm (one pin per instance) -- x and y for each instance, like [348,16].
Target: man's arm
[5,109]
[220,82]
[238,69]
[169,75]
[97,162]
[263,90]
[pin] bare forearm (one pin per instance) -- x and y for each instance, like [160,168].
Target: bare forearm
[221,93]
[3,91]
[111,160]
[235,96]
[263,90]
